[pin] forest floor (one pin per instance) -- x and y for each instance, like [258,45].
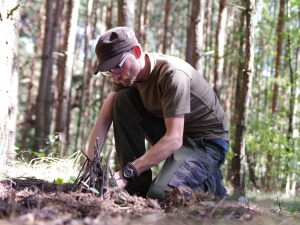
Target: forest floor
[37,202]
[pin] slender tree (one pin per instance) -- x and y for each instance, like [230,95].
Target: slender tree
[293,102]
[28,122]
[126,13]
[166,26]
[68,31]
[219,52]
[208,39]
[241,125]
[43,101]
[84,98]
[9,11]
[192,30]
[145,26]
[280,27]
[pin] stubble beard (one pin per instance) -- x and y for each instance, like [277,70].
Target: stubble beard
[132,74]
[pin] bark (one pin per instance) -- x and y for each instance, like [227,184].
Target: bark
[126,13]
[140,22]
[174,19]
[43,101]
[280,27]
[192,31]
[293,82]
[84,98]
[208,40]
[68,34]
[146,25]
[219,54]
[197,56]
[109,14]
[166,26]
[70,62]
[29,120]
[9,80]
[241,125]
[293,102]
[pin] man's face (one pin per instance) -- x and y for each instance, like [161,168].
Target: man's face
[126,71]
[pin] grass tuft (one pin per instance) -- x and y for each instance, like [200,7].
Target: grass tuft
[45,168]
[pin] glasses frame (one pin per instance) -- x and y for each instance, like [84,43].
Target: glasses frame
[118,68]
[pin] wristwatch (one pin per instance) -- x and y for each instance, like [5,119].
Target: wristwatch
[128,173]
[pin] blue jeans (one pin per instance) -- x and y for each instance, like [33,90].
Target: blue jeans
[195,164]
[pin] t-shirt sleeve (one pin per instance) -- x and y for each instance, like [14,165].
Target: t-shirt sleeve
[175,93]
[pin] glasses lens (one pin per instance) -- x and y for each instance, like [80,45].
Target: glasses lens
[116,69]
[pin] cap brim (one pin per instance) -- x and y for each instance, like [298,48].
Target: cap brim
[105,65]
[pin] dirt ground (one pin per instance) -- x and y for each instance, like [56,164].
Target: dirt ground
[37,202]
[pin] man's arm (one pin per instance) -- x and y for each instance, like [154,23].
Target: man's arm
[102,124]
[166,146]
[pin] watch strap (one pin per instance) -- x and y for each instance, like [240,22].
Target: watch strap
[136,172]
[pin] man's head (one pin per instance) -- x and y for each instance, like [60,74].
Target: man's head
[112,45]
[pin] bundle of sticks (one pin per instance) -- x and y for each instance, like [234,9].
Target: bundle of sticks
[95,176]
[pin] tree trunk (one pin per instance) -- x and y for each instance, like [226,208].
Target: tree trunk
[43,102]
[166,26]
[65,73]
[219,54]
[109,14]
[28,123]
[192,30]
[9,79]
[241,125]
[84,99]
[140,22]
[280,27]
[208,38]
[293,104]
[126,13]
[146,26]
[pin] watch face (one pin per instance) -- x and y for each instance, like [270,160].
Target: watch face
[128,173]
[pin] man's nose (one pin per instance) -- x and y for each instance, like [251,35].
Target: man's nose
[114,76]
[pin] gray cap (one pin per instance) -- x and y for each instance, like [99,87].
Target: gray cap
[112,45]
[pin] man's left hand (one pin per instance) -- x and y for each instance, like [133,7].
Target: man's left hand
[121,182]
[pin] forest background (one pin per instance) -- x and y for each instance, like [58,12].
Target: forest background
[247,50]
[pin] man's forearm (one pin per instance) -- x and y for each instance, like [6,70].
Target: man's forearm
[158,153]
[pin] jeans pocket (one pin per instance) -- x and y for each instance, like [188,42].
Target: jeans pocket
[191,173]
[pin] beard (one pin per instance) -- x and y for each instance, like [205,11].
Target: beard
[128,79]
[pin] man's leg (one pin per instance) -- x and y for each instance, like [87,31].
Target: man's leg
[131,122]
[193,165]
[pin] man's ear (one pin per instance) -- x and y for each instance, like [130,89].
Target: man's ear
[137,51]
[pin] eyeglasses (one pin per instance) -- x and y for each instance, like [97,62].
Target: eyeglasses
[118,68]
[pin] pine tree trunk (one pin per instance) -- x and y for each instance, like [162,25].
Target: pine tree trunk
[126,13]
[42,103]
[84,99]
[192,30]
[68,30]
[166,26]
[208,37]
[146,25]
[9,78]
[241,125]
[109,14]
[219,54]
[28,122]
[280,27]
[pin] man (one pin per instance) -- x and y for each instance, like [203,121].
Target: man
[165,100]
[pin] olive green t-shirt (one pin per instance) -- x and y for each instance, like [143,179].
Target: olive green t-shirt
[175,88]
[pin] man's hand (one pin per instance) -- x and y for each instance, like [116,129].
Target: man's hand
[121,182]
